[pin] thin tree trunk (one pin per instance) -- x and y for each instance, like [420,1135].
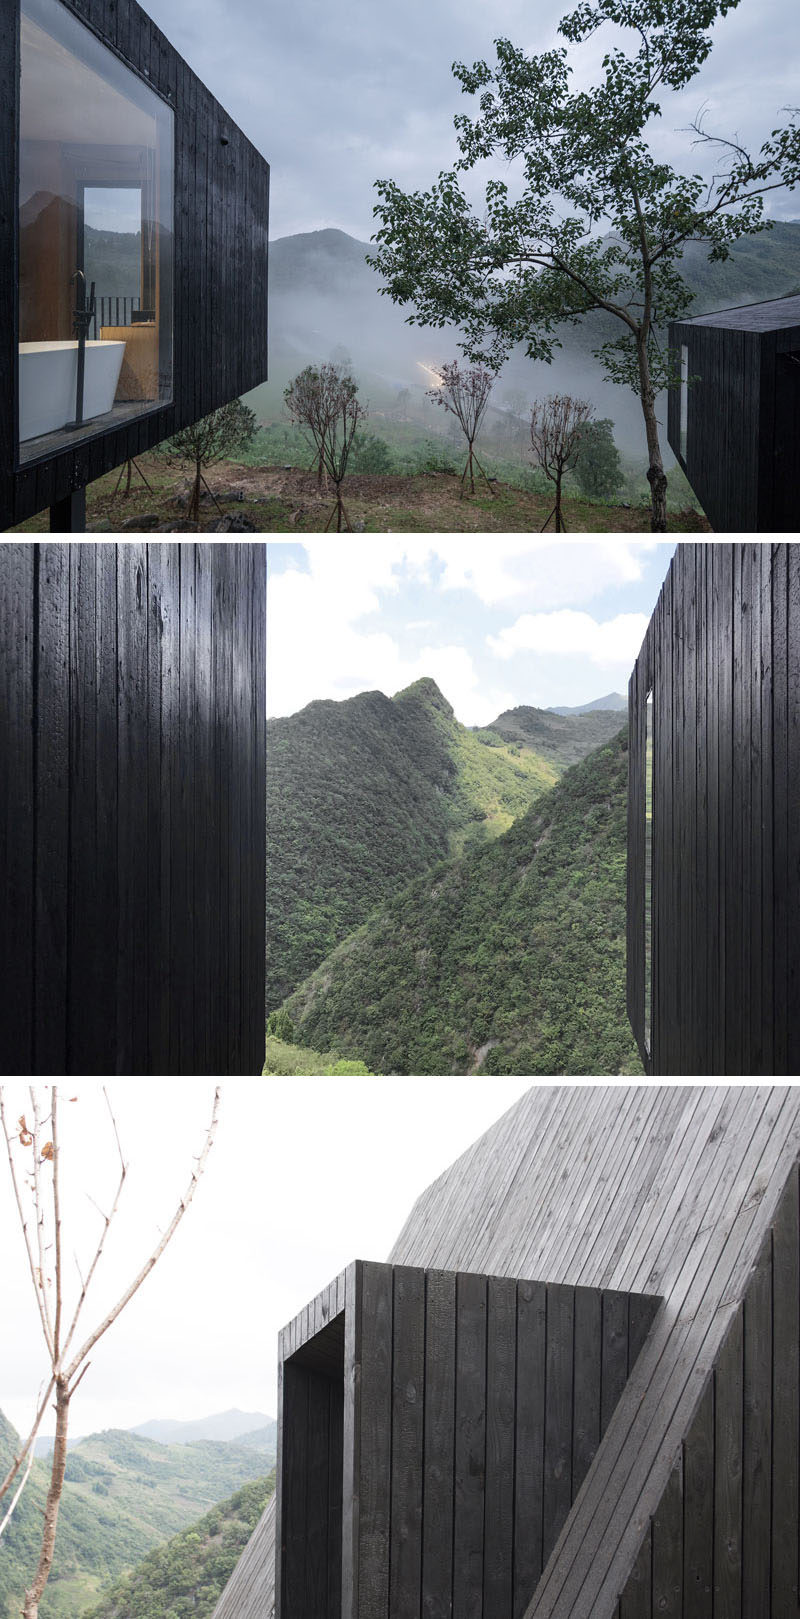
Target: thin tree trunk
[194,508]
[31,1605]
[656,475]
[559,523]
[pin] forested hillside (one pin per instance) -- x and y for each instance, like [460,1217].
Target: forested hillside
[363,795]
[122,1495]
[510,960]
[185,1578]
[561,738]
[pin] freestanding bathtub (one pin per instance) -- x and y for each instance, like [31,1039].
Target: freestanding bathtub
[48,374]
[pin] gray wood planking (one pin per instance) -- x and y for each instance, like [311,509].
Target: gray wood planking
[705,1188]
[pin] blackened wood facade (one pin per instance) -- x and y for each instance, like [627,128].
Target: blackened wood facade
[739,447]
[435,1428]
[132,758]
[691,1193]
[221,215]
[722,659]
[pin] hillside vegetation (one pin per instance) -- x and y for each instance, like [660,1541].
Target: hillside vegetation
[122,1495]
[185,1578]
[364,794]
[510,960]
[561,738]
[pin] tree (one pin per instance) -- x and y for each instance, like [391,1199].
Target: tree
[465,394]
[556,424]
[599,223]
[225,432]
[324,399]
[597,469]
[34,1159]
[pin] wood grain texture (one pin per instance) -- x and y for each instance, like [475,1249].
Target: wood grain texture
[134,873]
[743,410]
[705,1199]
[722,656]
[221,219]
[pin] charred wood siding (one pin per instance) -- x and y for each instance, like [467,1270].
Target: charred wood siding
[220,261]
[722,656]
[743,417]
[463,1413]
[132,741]
[724,1539]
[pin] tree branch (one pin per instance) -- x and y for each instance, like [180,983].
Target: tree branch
[23,1223]
[99,1331]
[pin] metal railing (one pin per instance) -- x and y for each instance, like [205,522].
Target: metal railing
[114,311]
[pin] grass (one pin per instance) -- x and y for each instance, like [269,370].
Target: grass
[283,1059]
[422,496]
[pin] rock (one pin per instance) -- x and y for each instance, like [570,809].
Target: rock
[138,525]
[233,524]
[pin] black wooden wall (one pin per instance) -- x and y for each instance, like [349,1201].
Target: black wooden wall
[132,755]
[724,1541]
[743,418]
[473,1407]
[220,260]
[722,655]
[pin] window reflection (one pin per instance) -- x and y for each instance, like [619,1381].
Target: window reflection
[95,256]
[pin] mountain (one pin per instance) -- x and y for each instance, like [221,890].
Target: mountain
[325,298]
[613,700]
[185,1578]
[123,1494]
[363,795]
[510,960]
[561,735]
[225,1425]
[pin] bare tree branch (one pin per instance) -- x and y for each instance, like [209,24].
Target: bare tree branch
[23,1220]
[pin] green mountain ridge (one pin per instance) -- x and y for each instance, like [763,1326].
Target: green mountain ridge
[563,738]
[510,960]
[185,1578]
[363,795]
[122,1495]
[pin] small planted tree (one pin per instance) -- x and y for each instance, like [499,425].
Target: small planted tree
[225,432]
[465,394]
[33,1146]
[556,424]
[324,400]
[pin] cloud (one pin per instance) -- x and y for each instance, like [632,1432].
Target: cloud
[570,634]
[553,573]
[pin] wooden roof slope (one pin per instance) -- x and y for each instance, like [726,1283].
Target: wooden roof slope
[668,1190]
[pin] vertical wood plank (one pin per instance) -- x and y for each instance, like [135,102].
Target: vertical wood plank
[786,1398]
[757,1441]
[19,568]
[51,743]
[440,1373]
[698,1517]
[408,1397]
[668,1548]
[558,1413]
[728,1474]
[588,1380]
[375,1442]
[529,1462]
[470,1445]
[500,1435]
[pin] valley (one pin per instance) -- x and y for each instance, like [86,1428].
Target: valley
[447,901]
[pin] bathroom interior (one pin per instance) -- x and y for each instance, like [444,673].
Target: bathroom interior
[95,239]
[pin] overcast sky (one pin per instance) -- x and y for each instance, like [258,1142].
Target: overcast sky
[339,93]
[497,621]
[305,1175]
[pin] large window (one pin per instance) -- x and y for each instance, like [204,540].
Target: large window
[648,873]
[95,236]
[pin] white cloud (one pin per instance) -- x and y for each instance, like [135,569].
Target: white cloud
[551,573]
[566,633]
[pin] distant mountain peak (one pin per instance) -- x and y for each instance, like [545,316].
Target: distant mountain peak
[425,690]
[612,702]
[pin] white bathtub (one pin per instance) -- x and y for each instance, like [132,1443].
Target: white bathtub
[48,375]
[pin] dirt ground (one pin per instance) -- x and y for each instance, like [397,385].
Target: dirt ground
[286,500]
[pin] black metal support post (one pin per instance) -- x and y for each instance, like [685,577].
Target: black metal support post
[68,516]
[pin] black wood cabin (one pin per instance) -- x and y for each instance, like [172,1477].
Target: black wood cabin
[120,164]
[463,1444]
[132,760]
[734,423]
[713,816]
